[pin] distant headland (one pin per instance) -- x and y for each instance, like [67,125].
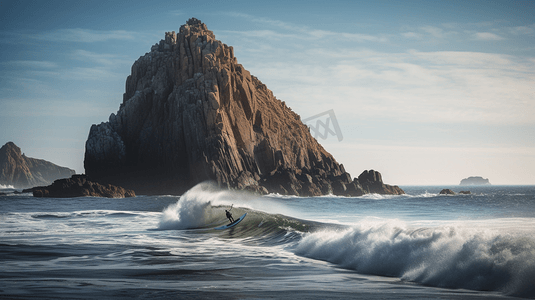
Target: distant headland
[20,171]
[475,180]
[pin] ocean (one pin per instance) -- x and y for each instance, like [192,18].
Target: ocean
[421,245]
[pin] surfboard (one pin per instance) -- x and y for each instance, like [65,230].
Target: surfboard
[232,224]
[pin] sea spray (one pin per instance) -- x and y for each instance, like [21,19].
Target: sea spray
[449,256]
[203,205]
[192,209]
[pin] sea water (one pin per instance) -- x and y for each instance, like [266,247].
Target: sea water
[420,245]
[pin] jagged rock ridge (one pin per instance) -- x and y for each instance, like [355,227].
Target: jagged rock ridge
[21,172]
[192,113]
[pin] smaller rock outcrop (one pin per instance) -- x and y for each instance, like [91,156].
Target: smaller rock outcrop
[20,171]
[475,180]
[80,186]
[368,182]
[372,181]
[450,192]
[447,192]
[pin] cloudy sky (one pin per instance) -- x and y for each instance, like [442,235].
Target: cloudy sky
[426,92]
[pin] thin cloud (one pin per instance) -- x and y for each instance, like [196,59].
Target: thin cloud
[487,36]
[98,58]
[433,31]
[39,64]
[523,30]
[91,73]
[31,107]
[266,21]
[176,13]
[85,35]
[426,87]
[411,35]
[300,32]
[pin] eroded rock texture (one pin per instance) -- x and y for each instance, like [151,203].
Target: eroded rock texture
[192,113]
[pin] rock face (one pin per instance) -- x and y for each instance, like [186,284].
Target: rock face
[20,171]
[80,186]
[475,180]
[192,113]
[447,192]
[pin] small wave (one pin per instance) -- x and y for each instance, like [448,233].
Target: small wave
[280,196]
[6,187]
[52,216]
[379,196]
[83,214]
[452,257]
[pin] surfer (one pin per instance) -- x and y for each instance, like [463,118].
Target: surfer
[229,215]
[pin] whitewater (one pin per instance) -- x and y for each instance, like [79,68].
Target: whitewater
[421,245]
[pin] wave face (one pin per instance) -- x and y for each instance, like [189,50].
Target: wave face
[204,206]
[451,257]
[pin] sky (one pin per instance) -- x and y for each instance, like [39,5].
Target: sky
[425,92]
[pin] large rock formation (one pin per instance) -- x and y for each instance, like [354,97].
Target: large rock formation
[475,180]
[21,172]
[192,113]
[80,186]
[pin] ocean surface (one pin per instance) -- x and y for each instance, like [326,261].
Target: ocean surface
[416,246]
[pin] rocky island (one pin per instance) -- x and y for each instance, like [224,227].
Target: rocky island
[475,180]
[192,113]
[20,171]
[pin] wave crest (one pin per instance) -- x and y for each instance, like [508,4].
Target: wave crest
[452,257]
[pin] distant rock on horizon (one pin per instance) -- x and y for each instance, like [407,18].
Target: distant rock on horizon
[192,113]
[475,180]
[20,171]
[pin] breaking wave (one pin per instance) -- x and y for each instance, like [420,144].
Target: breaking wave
[450,257]
[460,255]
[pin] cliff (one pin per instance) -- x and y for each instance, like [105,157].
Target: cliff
[21,172]
[475,180]
[192,113]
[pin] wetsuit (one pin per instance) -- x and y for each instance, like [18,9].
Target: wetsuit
[229,216]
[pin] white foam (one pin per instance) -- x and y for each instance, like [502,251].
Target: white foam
[449,256]
[189,211]
[6,186]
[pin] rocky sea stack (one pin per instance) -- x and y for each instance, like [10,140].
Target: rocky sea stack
[22,172]
[192,113]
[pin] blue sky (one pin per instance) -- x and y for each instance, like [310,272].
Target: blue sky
[426,92]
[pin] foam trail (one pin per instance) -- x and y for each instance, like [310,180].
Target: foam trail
[452,257]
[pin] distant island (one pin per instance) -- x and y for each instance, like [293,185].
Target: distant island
[475,180]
